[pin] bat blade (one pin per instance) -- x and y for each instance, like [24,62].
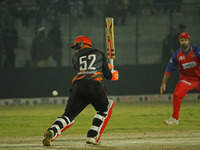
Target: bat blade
[109,30]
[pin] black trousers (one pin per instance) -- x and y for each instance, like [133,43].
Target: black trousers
[84,92]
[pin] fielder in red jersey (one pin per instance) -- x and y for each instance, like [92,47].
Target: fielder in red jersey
[188,59]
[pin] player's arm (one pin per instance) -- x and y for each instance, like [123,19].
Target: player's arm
[108,71]
[169,69]
[105,69]
[197,52]
[164,82]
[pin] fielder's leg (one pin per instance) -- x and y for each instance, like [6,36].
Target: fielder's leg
[98,125]
[181,89]
[56,129]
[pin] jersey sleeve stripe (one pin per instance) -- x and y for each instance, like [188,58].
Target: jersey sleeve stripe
[167,73]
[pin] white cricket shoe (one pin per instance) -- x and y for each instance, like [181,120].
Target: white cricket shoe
[91,140]
[171,121]
[48,138]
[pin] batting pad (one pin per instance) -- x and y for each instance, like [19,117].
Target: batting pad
[60,125]
[105,119]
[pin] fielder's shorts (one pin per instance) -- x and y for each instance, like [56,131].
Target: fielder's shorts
[184,86]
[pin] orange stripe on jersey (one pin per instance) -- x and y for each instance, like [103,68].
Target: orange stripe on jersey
[99,79]
[78,75]
[82,77]
[96,77]
[96,74]
[74,78]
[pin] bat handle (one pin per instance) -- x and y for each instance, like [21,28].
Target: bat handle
[112,64]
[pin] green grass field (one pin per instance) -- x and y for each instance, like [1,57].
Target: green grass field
[126,118]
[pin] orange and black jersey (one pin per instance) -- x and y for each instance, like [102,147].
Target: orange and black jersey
[91,64]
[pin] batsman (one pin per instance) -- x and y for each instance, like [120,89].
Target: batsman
[91,66]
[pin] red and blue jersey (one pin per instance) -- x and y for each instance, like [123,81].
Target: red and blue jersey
[189,63]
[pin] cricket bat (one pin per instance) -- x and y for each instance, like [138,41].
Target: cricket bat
[109,33]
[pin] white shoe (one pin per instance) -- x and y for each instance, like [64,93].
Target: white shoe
[171,121]
[91,140]
[48,138]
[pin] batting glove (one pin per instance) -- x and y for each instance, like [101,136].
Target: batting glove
[115,75]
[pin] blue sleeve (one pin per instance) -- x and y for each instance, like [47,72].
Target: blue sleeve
[197,51]
[172,63]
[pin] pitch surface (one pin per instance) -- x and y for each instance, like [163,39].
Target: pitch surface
[138,141]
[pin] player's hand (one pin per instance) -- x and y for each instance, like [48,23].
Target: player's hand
[115,75]
[162,88]
[110,66]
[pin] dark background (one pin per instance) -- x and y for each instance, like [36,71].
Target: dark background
[40,82]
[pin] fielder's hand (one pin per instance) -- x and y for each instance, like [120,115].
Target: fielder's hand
[115,75]
[162,88]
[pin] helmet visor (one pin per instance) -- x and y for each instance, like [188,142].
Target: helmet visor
[77,45]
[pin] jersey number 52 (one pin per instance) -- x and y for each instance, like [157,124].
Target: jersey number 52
[85,64]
